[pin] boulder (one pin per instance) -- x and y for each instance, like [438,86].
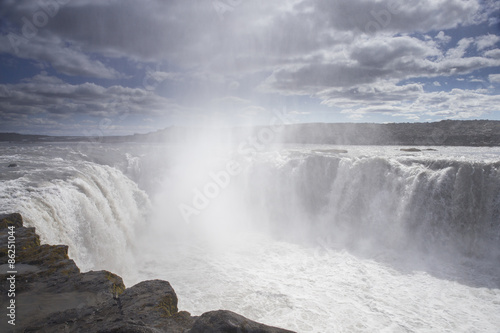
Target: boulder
[229,322]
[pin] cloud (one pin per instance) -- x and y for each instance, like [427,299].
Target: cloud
[345,54]
[191,33]
[370,94]
[65,60]
[459,51]
[486,41]
[49,99]
[457,104]
[371,60]
[232,101]
[495,54]
[494,78]
[393,16]
[443,38]
[411,101]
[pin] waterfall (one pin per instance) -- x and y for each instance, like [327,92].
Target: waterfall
[361,202]
[395,202]
[94,209]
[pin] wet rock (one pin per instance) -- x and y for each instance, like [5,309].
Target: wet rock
[47,281]
[229,322]
[11,220]
[150,306]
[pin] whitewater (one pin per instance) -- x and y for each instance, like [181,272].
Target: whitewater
[304,237]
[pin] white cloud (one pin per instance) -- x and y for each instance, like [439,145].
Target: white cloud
[380,60]
[46,98]
[493,54]
[460,49]
[486,41]
[64,59]
[443,38]
[370,94]
[494,78]
[456,104]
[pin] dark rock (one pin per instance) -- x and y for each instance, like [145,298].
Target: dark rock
[149,306]
[12,165]
[12,219]
[229,322]
[53,296]
[411,150]
[47,281]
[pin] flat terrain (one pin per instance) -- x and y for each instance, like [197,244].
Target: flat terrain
[443,133]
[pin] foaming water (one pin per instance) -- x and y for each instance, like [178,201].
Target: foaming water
[449,203]
[94,209]
[305,237]
[319,289]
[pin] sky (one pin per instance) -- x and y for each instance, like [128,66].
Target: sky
[115,67]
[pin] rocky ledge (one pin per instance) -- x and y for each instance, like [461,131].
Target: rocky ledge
[44,291]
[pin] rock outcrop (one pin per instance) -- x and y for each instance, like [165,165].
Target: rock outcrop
[46,292]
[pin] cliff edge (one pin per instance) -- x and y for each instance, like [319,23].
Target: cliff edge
[42,290]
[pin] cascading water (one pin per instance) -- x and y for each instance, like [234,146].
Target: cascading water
[304,238]
[93,208]
[395,202]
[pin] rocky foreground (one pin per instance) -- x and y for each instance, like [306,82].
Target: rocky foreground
[44,291]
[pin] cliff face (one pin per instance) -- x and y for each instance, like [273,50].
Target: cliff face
[42,290]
